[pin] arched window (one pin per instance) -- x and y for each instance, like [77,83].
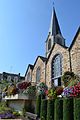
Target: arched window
[57,70]
[38,74]
[28,77]
[49,44]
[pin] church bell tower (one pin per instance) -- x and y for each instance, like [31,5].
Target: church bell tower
[54,35]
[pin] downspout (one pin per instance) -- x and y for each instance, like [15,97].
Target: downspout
[45,72]
[70,61]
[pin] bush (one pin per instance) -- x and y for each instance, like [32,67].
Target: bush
[68,109]
[41,88]
[76,108]
[43,113]
[58,112]
[50,109]
[30,91]
[52,93]
[59,90]
[67,77]
[38,105]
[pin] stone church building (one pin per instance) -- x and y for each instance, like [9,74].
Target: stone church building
[59,58]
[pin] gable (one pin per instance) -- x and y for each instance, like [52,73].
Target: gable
[40,58]
[56,49]
[30,67]
[75,38]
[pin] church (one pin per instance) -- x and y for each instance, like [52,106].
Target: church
[58,57]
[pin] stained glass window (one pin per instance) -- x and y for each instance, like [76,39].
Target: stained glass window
[57,70]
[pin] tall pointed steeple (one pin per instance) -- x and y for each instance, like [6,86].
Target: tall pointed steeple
[54,35]
[54,25]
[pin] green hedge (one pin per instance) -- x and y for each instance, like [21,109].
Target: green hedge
[68,109]
[38,105]
[58,111]
[76,108]
[43,113]
[50,110]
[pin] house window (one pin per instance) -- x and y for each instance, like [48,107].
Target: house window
[9,78]
[38,74]
[16,79]
[57,70]
[49,44]
[28,77]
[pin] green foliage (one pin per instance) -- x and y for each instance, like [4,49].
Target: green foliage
[68,109]
[31,90]
[43,113]
[3,107]
[74,81]
[4,84]
[16,113]
[41,88]
[67,77]
[38,105]
[23,111]
[11,90]
[58,111]
[76,108]
[52,93]
[50,109]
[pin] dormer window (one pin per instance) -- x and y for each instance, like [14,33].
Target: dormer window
[49,44]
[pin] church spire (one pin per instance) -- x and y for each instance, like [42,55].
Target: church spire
[55,35]
[54,26]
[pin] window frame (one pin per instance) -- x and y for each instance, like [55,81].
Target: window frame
[38,74]
[54,62]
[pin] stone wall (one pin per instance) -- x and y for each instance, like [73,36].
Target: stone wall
[29,71]
[75,56]
[40,64]
[18,105]
[65,61]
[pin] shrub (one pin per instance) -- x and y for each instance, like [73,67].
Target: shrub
[76,108]
[59,90]
[68,109]
[43,113]
[31,90]
[41,88]
[67,77]
[38,105]
[50,109]
[52,93]
[58,112]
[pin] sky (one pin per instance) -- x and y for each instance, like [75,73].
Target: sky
[24,26]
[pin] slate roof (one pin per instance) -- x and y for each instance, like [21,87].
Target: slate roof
[54,26]
[31,67]
[74,39]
